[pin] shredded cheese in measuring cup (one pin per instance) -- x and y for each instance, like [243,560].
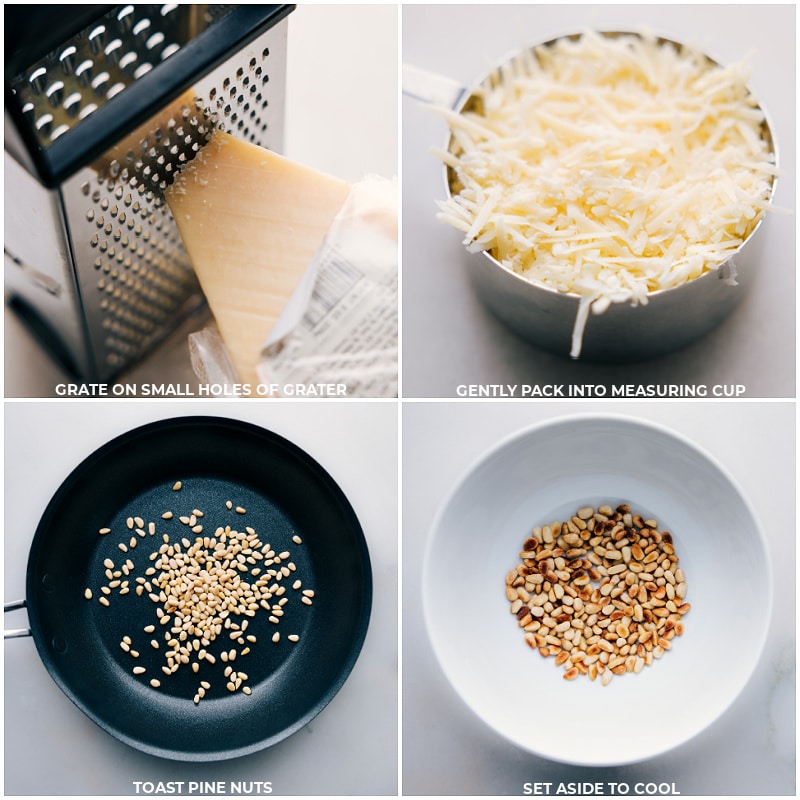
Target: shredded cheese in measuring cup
[610,168]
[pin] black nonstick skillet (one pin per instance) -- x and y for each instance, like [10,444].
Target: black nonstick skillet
[289,500]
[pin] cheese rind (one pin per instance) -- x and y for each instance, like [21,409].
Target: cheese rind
[251,221]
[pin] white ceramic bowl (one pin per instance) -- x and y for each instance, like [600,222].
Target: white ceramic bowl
[539,475]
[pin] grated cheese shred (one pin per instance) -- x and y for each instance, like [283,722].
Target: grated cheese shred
[609,168]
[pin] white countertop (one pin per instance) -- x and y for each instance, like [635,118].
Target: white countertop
[449,338]
[349,749]
[750,750]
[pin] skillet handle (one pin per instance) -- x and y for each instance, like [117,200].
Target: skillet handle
[430,87]
[15,633]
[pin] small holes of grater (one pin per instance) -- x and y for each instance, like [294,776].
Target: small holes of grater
[142,273]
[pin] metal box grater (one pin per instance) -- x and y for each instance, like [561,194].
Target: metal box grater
[103,104]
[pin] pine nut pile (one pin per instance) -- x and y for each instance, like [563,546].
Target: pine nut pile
[205,591]
[601,592]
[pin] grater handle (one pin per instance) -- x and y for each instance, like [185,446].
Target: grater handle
[15,633]
[430,87]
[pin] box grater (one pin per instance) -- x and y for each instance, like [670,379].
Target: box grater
[103,104]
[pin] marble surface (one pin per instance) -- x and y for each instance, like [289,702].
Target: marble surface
[349,749]
[449,338]
[750,750]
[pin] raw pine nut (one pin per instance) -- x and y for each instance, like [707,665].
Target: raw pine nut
[602,592]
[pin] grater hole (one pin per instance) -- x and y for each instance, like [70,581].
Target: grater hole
[55,93]
[38,80]
[169,50]
[127,60]
[99,83]
[86,110]
[67,59]
[45,123]
[113,50]
[155,40]
[59,131]
[72,105]
[83,72]
[96,38]
[114,90]
[141,27]
[125,17]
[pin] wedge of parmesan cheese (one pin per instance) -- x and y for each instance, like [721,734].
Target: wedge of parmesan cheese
[251,222]
[609,168]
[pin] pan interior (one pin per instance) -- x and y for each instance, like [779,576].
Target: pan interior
[284,494]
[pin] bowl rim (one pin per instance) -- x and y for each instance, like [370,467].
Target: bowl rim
[470,90]
[490,453]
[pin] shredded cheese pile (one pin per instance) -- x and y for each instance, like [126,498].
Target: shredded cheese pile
[609,167]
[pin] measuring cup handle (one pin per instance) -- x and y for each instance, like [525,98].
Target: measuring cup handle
[430,87]
[15,633]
